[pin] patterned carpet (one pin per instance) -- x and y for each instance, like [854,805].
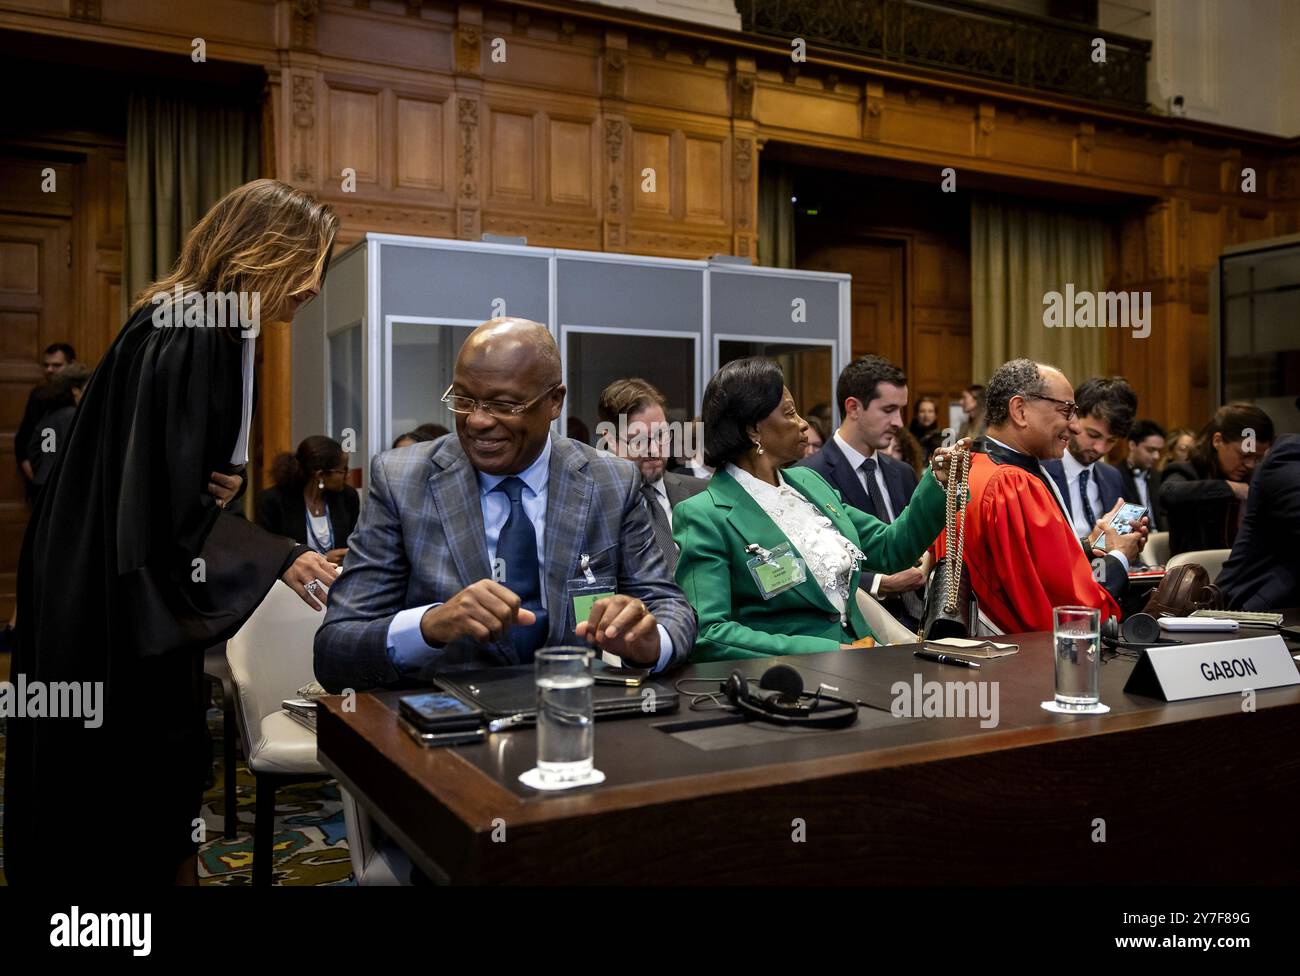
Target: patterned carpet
[310,845]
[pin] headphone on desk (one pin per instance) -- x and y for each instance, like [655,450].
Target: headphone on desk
[1139,631]
[786,702]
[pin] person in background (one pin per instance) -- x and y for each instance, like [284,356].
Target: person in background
[818,434]
[311,503]
[634,425]
[925,421]
[872,394]
[421,434]
[821,412]
[1090,486]
[972,401]
[1263,572]
[756,505]
[1204,498]
[50,433]
[1146,442]
[1178,448]
[906,448]
[40,400]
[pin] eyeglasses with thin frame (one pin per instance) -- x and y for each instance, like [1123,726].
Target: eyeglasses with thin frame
[500,409]
[1071,408]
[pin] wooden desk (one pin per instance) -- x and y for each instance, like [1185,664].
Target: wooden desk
[1189,792]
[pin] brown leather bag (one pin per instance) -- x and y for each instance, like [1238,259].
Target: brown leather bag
[1183,589]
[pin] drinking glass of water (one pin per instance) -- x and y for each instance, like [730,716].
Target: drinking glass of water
[565,740]
[1077,639]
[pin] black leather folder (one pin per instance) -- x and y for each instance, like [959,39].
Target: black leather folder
[501,692]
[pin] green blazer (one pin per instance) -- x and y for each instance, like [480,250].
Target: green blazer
[712,530]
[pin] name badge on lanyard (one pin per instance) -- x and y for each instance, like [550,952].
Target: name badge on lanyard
[775,570]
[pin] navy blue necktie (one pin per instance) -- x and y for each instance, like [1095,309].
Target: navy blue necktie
[1083,496]
[873,490]
[517,550]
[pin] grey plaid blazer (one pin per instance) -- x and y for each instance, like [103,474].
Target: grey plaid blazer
[420,540]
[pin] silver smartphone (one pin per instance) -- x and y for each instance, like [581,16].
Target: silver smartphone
[1124,521]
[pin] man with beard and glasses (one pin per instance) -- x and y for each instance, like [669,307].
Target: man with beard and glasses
[638,430]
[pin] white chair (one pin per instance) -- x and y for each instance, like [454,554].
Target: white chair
[1156,552]
[883,623]
[270,659]
[1211,559]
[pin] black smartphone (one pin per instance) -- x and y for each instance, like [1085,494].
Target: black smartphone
[456,738]
[437,711]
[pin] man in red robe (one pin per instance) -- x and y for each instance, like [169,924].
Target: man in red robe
[1020,549]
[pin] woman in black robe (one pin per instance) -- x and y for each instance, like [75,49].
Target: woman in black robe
[130,568]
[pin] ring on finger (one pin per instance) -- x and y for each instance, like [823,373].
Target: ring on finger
[314,586]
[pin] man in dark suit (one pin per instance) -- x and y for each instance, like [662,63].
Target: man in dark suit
[1263,572]
[1089,486]
[634,425]
[471,550]
[1141,476]
[872,393]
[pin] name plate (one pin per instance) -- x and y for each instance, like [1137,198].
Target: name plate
[1219,668]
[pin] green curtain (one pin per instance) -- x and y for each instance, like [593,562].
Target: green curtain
[182,155]
[775,216]
[1018,255]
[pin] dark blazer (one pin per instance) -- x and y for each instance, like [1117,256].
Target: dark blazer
[284,512]
[421,540]
[832,465]
[678,487]
[681,487]
[1110,483]
[1263,572]
[1156,515]
[1200,513]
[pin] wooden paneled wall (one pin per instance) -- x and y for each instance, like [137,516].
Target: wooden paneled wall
[546,118]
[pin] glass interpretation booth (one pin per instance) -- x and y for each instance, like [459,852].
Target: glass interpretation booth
[373,354]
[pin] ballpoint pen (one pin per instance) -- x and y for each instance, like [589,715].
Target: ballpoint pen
[938,658]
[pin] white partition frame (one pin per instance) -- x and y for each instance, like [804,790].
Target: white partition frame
[376,347]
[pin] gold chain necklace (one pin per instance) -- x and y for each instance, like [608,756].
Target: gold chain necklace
[957,496]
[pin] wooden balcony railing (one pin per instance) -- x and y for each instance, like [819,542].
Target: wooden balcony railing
[967,38]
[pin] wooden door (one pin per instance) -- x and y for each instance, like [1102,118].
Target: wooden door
[35,292]
[879,314]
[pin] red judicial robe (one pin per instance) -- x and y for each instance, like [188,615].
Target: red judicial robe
[1020,551]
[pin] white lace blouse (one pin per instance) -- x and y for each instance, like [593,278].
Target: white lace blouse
[829,557]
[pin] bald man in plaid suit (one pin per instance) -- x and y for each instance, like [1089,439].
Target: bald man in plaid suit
[475,550]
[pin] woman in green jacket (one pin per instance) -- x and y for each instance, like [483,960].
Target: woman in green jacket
[770,555]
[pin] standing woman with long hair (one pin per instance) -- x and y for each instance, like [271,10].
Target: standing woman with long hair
[130,569]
